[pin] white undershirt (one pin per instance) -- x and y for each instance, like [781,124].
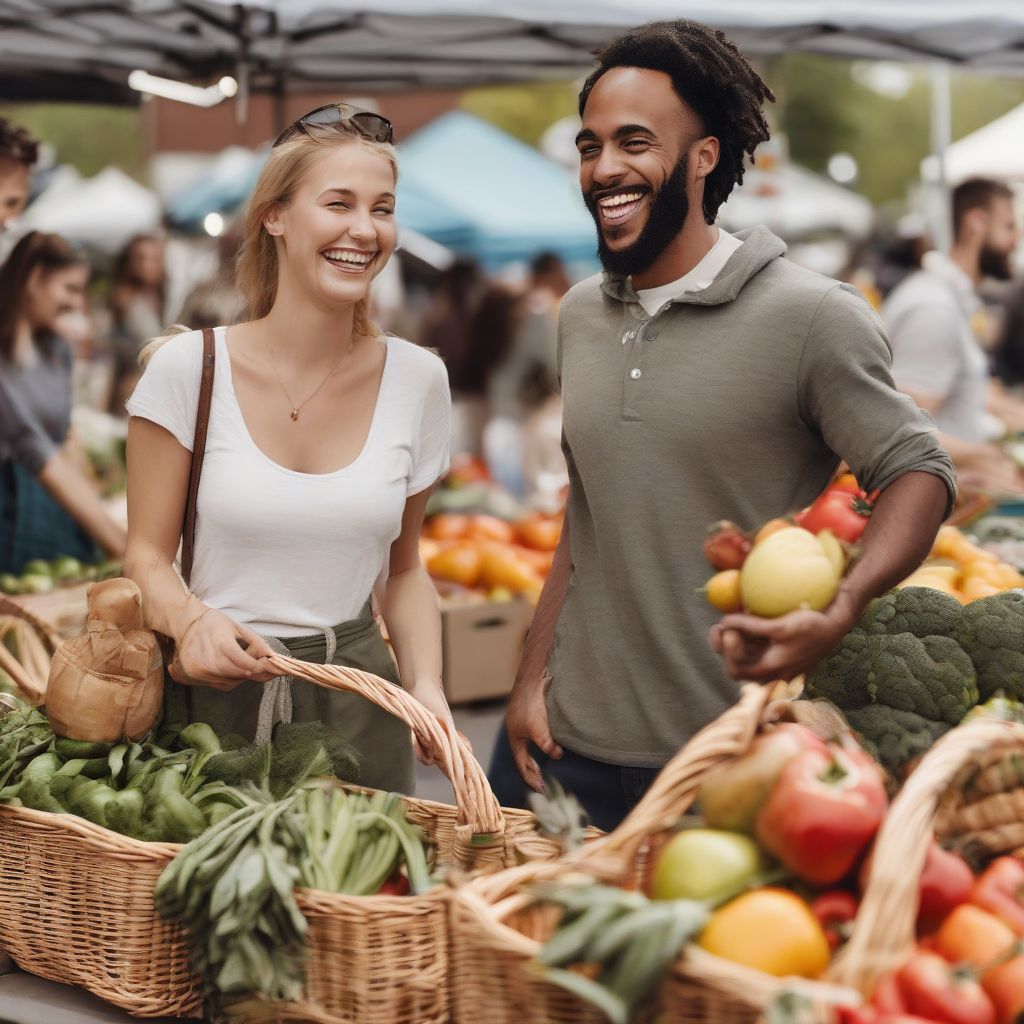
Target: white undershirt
[652,299]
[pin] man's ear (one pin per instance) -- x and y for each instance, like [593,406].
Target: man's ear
[706,159]
[272,221]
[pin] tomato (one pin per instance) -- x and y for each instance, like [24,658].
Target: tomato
[501,567]
[946,882]
[460,563]
[704,864]
[723,591]
[1000,891]
[823,813]
[835,911]
[491,528]
[396,884]
[540,532]
[726,546]
[935,989]
[447,526]
[845,482]
[466,469]
[772,526]
[770,930]
[887,998]
[732,794]
[844,514]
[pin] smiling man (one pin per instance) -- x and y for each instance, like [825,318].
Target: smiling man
[704,377]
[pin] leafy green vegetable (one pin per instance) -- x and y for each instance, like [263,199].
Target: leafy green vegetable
[992,633]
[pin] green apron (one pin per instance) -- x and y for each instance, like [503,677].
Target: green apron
[383,743]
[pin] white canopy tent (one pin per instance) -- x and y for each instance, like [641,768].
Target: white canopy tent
[995,150]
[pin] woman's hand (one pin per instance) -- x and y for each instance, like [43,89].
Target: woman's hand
[216,651]
[431,696]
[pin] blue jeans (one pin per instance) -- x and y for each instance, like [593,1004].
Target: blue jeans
[608,792]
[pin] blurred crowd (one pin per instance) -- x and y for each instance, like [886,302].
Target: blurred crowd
[71,328]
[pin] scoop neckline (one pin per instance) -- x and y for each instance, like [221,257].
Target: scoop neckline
[221,335]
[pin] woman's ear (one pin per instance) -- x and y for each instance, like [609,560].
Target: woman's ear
[272,221]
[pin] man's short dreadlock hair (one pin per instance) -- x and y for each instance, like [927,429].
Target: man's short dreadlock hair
[709,74]
[17,145]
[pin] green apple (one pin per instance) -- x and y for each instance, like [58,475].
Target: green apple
[36,567]
[705,864]
[36,583]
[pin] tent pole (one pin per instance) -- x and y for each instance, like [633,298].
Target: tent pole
[942,131]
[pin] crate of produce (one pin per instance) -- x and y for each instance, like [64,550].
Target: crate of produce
[512,932]
[76,899]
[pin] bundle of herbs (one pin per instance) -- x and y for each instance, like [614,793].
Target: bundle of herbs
[234,887]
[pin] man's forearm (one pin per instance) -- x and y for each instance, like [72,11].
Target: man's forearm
[545,617]
[898,537]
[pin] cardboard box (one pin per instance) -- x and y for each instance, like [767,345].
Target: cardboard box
[482,645]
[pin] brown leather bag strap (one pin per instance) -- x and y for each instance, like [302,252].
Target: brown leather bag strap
[188,533]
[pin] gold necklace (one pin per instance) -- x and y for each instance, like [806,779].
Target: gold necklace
[296,409]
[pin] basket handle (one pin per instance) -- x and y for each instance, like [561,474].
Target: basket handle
[477,804]
[676,786]
[884,928]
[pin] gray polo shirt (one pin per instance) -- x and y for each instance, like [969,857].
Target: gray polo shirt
[735,402]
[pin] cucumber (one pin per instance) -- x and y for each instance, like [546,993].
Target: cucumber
[69,748]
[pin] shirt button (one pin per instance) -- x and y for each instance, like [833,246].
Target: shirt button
[635,374]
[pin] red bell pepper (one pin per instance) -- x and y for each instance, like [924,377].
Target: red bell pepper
[823,812]
[835,911]
[396,884]
[942,992]
[946,882]
[887,998]
[1000,891]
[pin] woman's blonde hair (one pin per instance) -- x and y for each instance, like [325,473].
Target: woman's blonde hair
[256,270]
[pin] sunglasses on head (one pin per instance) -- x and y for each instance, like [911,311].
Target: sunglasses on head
[331,115]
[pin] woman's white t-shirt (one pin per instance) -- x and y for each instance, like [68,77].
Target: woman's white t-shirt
[290,553]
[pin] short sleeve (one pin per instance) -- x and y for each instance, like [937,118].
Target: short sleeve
[168,391]
[23,436]
[431,446]
[926,348]
[847,395]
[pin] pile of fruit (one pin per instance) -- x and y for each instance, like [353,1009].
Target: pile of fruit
[960,567]
[769,880]
[772,879]
[488,556]
[40,577]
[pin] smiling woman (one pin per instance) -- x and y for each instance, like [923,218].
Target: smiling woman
[324,440]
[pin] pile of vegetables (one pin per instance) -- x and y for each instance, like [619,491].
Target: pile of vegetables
[39,576]
[760,881]
[167,791]
[234,887]
[917,662]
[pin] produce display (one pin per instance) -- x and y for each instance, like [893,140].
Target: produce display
[766,880]
[40,577]
[167,791]
[234,887]
[488,557]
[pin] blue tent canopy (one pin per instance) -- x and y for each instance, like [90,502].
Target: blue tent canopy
[483,193]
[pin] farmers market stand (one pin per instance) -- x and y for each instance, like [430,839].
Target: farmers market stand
[26,999]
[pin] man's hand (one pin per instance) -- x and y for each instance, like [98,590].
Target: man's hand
[763,650]
[527,722]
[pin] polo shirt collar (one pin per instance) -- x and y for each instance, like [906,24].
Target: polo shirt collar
[759,248]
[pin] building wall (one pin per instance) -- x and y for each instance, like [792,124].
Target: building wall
[175,127]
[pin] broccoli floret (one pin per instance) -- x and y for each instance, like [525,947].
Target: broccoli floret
[898,676]
[895,737]
[992,633]
[917,610]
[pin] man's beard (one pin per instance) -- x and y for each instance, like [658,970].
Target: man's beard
[665,220]
[996,264]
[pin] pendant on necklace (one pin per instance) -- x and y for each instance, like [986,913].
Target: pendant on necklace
[295,414]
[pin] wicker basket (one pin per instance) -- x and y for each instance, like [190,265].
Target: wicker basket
[31,684]
[76,900]
[982,814]
[496,933]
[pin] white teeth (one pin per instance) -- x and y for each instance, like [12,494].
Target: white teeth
[620,200]
[344,256]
